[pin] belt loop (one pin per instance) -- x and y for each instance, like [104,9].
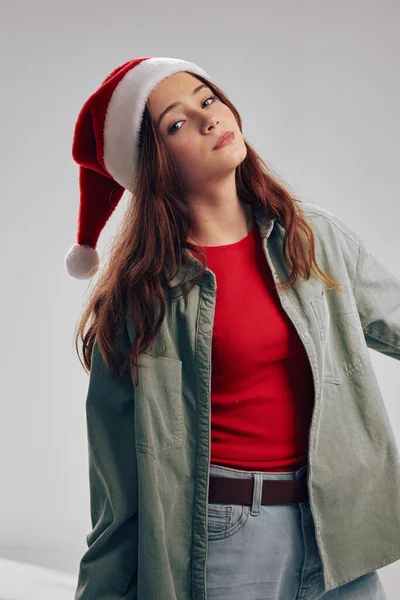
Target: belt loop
[257,494]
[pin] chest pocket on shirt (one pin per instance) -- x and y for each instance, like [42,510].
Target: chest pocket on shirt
[344,346]
[158,405]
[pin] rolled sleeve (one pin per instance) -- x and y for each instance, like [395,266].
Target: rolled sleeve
[377,295]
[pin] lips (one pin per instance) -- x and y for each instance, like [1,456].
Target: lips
[224,137]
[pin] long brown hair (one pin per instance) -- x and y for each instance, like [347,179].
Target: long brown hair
[153,234]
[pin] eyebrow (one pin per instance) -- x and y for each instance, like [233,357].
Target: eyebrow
[174,104]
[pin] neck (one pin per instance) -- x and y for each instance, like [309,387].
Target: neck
[211,232]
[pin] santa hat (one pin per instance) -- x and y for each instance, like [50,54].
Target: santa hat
[105,146]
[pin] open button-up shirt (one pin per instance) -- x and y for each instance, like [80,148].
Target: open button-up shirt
[149,447]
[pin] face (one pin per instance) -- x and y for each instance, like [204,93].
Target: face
[191,129]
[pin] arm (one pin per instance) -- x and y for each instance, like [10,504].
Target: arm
[108,569]
[377,294]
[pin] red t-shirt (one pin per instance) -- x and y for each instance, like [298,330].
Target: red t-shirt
[262,391]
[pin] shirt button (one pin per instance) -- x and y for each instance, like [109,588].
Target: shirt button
[200,529]
[206,327]
[203,460]
[304,334]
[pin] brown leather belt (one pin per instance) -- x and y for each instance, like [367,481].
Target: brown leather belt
[228,490]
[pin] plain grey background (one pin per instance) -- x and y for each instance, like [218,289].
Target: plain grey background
[317,86]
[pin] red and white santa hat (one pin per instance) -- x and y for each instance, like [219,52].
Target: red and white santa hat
[105,146]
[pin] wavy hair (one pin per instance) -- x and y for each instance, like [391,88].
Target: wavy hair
[147,250]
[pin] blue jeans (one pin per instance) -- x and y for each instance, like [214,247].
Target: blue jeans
[269,551]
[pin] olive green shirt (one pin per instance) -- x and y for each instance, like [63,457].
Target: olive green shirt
[149,447]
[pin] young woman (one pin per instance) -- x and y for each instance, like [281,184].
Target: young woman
[252,456]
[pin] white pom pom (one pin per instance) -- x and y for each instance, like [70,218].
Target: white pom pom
[82,262]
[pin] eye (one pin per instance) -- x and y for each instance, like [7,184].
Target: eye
[172,131]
